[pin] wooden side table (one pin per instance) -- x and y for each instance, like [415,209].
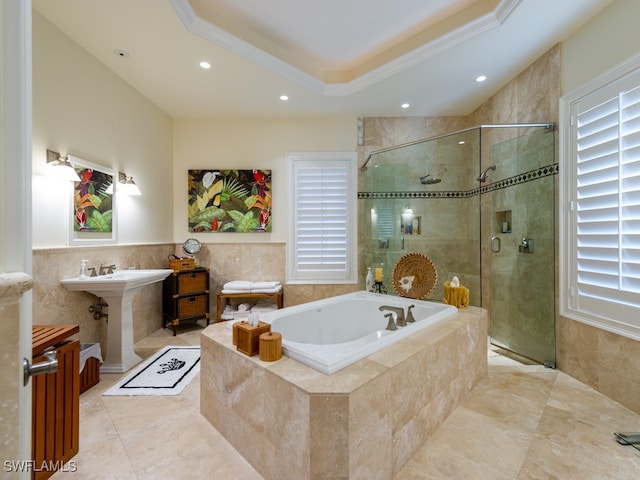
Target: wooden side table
[223,299]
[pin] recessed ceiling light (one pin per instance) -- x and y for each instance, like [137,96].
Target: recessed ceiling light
[284,98]
[205,65]
[121,53]
[481,78]
[461,142]
[405,105]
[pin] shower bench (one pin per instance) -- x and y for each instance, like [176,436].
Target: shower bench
[223,299]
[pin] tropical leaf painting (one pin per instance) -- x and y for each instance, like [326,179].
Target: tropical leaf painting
[92,204]
[229,201]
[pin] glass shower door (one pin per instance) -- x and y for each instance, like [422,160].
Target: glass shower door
[518,218]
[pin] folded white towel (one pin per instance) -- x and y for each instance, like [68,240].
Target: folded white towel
[241,316]
[230,290]
[237,285]
[230,309]
[260,285]
[267,290]
[227,316]
[243,307]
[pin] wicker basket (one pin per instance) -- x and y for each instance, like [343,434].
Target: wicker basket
[192,306]
[414,276]
[193,282]
[179,264]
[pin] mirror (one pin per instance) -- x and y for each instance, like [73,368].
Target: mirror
[191,246]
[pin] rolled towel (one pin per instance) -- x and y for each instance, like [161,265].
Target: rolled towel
[263,285]
[230,309]
[243,307]
[227,316]
[242,285]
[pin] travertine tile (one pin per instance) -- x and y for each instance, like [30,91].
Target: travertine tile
[520,422]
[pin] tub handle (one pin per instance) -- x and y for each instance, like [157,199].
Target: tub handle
[391,323]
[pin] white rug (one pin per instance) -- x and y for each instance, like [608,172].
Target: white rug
[165,373]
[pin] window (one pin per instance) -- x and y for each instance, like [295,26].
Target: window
[321,199]
[600,230]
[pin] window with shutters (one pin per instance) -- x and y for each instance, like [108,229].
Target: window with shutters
[600,195]
[322,222]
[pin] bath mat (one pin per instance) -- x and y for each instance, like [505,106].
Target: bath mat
[165,373]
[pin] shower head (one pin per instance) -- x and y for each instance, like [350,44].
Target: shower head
[429,180]
[483,176]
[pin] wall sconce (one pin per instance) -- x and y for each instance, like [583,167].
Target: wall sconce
[65,170]
[127,186]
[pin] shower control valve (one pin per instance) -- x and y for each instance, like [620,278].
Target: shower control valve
[526,246]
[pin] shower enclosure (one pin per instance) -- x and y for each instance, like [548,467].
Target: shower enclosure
[480,204]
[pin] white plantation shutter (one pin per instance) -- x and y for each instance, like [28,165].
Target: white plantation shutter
[321,244]
[603,228]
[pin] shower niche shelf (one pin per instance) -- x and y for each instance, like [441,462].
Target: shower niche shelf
[503,221]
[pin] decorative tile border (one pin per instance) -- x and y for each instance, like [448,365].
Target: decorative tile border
[505,183]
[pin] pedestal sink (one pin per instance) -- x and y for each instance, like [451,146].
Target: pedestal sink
[118,290]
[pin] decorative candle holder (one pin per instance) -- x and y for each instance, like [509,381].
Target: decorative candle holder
[378,287]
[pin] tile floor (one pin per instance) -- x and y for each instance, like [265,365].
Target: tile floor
[521,422]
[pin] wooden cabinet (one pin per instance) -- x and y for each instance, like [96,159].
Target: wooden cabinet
[185,297]
[56,400]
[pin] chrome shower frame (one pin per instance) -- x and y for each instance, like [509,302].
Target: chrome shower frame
[549,126]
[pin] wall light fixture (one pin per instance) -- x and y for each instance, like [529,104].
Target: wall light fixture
[65,170]
[127,186]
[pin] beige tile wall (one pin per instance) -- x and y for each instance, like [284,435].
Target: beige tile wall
[602,360]
[583,352]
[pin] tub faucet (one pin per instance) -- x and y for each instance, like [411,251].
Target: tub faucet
[391,325]
[401,322]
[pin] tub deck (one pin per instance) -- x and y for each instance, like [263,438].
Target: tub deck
[364,421]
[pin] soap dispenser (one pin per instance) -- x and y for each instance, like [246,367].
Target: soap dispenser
[83,270]
[369,280]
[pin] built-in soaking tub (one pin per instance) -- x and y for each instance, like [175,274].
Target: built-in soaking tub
[362,421]
[336,332]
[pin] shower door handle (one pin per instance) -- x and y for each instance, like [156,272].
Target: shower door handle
[495,244]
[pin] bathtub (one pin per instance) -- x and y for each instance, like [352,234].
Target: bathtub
[331,334]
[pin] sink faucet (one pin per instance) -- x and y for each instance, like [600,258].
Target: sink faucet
[106,269]
[399,312]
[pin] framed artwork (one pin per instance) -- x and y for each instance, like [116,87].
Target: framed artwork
[229,201]
[92,219]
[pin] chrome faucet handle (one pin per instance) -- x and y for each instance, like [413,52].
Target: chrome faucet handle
[93,272]
[111,268]
[410,318]
[391,324]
